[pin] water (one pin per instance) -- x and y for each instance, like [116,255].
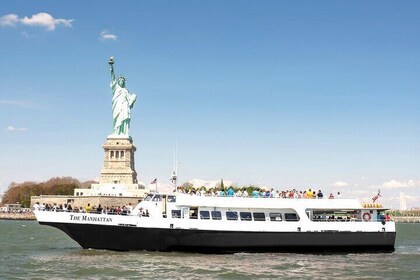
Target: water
[31,251]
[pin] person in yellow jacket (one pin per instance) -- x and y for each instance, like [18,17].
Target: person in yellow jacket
[309,193]
[88,208]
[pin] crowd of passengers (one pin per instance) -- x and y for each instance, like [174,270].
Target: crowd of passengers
[67,207]
[230,192]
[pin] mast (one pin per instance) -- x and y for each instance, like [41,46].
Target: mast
[174,178]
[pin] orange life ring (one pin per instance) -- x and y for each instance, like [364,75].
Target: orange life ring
[366,217]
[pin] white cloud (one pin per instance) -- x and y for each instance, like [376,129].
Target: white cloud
[20,129]
[340,184]
[27,35]
[20,103]
[394,184]
[358,192]
[9,20]
[107,35]
[41,19]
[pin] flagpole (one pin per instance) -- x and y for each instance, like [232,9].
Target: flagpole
[156,186]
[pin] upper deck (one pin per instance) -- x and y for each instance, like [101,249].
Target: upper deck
[186,200]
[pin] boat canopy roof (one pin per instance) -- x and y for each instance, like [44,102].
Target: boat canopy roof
[265,203]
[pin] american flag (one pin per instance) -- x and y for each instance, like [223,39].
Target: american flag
[376,196]
[154,181]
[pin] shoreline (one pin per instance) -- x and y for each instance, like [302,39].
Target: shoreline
[18,216]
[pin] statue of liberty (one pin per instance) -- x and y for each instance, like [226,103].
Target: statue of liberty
[122,102]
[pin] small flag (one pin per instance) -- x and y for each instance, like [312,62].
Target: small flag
[376,196]
[154,181]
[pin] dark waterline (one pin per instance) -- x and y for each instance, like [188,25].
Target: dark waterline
[32,251]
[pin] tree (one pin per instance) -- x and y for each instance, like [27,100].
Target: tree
[21,193]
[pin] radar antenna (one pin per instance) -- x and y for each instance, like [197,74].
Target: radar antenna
[174,178]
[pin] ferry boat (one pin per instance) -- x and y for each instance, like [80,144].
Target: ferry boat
[192,223]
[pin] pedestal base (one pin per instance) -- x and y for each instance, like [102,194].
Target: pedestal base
[118,165]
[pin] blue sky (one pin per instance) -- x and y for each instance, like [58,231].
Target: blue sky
[284,94]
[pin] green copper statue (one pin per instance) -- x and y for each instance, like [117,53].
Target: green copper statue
[122,102]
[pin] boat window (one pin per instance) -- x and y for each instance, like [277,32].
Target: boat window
[193,212]
[291,217]
[205,215]
[259,216]
[148,197]
[276,217]
[176,213]
[171,198]
[343,215]
[216,215]
[245,216]
[232,215]
[157,197]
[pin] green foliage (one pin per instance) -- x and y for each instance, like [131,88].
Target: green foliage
[21,193]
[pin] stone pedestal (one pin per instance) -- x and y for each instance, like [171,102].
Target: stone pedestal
[118,161]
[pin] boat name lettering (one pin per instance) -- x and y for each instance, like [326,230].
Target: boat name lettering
[86,218]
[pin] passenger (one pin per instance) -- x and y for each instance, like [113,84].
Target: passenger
[291,194]
[387,217]
[331,196]
[36,206]
[255,194]
[88,208]
[309,193]
[230,192]
[129,208]
[339,195]
[319,195]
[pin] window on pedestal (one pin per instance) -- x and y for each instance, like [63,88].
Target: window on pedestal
[112,154]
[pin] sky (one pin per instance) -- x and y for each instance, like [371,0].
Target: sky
[282,94]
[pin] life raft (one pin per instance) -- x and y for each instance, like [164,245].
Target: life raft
[366,217]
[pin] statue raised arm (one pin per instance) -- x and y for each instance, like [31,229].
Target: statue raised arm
[122,102]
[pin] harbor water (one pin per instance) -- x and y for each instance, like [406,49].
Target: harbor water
[31,251]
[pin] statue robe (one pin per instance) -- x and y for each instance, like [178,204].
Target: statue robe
[122,102]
